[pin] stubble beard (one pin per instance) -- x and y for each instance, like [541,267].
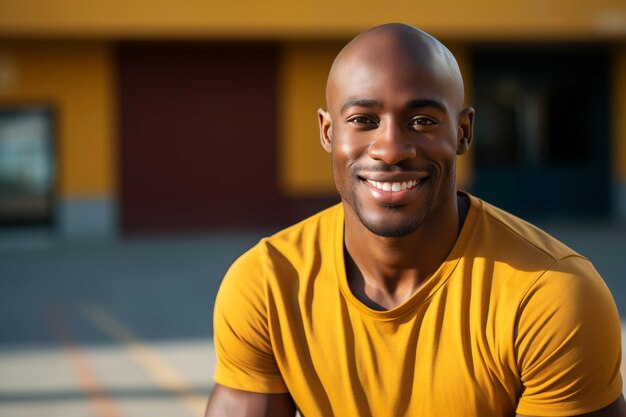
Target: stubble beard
[391,230]
[403,229]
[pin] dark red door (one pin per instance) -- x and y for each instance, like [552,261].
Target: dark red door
[198,136]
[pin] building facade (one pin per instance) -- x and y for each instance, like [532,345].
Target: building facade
[133,116]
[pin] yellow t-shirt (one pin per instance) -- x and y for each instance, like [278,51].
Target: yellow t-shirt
[513,320]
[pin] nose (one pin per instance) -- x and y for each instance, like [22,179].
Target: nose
[392,145]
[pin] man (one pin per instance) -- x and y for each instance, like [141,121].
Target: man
[410,298]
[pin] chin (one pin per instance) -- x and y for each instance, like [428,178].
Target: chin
[392,231]
[384,227]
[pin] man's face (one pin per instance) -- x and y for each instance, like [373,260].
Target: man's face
[393,132]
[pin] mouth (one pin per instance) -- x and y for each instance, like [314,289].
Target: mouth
[394,186]
[394,193]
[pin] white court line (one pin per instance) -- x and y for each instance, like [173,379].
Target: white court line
[162,372]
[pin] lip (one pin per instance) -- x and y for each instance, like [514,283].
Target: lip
[393,177]
[394,198]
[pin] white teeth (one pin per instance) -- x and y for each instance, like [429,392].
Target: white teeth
[393,186]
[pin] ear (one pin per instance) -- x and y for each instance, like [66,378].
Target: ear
[326,129]
[465,130]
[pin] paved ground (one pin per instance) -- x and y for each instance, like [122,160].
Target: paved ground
[123,328]
[109,329]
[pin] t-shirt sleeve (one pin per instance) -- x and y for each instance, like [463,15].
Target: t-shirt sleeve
[243,347]
[568,342]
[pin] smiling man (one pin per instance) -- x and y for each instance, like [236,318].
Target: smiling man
[411,298]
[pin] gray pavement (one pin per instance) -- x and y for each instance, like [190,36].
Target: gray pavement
[109,328]
[123,328]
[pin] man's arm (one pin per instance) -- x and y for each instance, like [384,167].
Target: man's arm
[615,409]
[228,402]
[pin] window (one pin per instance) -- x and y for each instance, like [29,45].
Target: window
[26,165]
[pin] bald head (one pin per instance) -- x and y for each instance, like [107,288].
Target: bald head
[395,115]
[398,46]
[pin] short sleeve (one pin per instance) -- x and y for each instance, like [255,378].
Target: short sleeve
[568,342]
[245,359]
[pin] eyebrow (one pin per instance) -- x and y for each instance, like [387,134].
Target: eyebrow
[360,102]
[411,104]
[427,102]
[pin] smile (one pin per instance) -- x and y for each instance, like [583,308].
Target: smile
[393,186]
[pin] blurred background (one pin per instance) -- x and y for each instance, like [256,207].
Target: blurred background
[145,145]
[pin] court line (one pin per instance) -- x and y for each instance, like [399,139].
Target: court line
[87,379]
[161,371]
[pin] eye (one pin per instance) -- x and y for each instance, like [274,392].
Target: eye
[423,121]
[361,120]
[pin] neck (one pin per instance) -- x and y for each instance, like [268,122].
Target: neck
[383,272]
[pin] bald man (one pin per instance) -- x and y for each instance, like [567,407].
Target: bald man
[411,298]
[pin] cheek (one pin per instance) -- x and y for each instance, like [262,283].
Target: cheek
[440,148]
[345,151]
[349,146]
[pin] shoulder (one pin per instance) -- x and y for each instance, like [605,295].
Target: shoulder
[517,241]
[307,234]
[571,289]
[531,266]
[274,256]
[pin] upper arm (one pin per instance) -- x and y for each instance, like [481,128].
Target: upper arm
[245,355]
[229,402]
[615,409]
[568,343]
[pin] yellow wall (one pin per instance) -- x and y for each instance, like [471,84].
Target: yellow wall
[619,111]
[76,78]
[305,167]
[480,19]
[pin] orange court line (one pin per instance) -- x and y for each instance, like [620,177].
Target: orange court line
[87,379]
[162,372]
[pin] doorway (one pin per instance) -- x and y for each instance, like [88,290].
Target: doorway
[198,136]
[542,135]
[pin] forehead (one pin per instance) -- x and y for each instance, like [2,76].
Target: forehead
[388,71]
[388,80]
